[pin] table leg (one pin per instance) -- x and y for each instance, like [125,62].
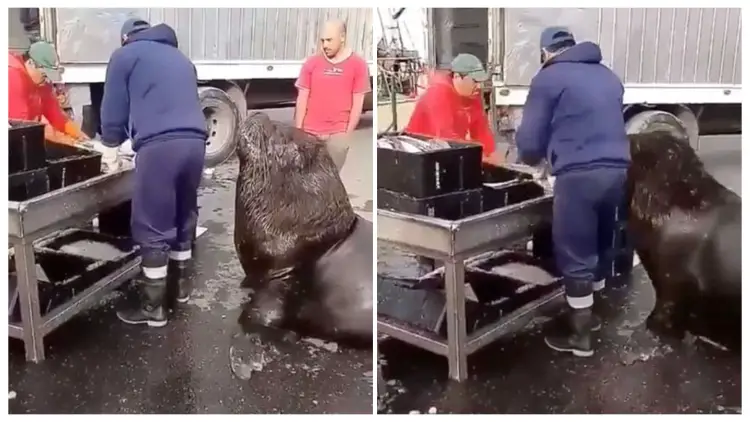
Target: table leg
[381,383]
[456,316]
[28,289]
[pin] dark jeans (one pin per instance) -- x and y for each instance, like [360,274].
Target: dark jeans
[165,198]
[584,224]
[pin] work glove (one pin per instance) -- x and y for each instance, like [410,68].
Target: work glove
[72,130]
[111,160]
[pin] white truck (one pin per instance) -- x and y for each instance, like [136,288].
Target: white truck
[681,67]
[245,58]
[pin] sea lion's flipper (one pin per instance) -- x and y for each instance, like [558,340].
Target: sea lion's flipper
[668,320]
[261,338]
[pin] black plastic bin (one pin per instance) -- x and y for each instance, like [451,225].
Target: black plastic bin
[450,206]
[28,184]
[25,146]
[68,276]
[125,245]
[427,174]
[510,195]
[493,174]
[70,165]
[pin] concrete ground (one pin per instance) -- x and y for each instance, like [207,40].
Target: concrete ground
[95,364]
[631,372]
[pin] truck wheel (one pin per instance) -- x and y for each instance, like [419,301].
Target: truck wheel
[222,122]
[656,120]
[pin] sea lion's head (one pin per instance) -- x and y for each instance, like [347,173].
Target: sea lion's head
[275,146]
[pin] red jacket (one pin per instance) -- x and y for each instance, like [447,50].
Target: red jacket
[442,113]
[29,101]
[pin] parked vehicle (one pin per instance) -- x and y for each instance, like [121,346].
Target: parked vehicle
[681,67]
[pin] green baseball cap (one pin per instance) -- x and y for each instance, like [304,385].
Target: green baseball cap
[469,65]
[44,56]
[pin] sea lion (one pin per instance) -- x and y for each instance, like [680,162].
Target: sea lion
[686,228]
[305,253]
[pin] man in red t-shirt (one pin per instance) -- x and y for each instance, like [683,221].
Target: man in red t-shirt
[332,88]
[451,108]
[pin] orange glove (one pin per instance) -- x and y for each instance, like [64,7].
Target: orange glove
[52,135]
[495,159]
[72,130]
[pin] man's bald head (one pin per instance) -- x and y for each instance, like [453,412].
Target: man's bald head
[333,37]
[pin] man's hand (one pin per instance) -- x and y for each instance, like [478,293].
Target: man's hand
[75,132]
[495,159]
[111,159]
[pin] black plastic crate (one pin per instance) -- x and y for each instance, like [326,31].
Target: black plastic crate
[493,174]
[25,146]
[490,287]
[115,221]
[422,305]
[422,308]
[69,165]
[506,196]
[27,185]
[451,206]
[427,174]
[121,246]
[69,275]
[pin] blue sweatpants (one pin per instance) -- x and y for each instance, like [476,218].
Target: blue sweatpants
[165,200]
[583,228]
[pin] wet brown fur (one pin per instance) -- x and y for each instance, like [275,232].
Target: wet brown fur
[686,229]
[280,168]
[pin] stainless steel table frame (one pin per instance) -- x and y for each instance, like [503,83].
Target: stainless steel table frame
[39,217]
[452,242]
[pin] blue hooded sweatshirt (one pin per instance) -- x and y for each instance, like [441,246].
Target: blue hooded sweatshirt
[151,92]
[573,114]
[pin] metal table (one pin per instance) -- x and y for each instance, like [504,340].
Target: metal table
[34,219]
[452,242]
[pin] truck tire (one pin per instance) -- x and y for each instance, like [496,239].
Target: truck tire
[653,120]
[222,122]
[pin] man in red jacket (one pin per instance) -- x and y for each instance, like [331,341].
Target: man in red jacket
[32,97]
[451,108]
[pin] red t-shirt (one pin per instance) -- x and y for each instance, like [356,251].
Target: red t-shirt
[442,113]
[332,87]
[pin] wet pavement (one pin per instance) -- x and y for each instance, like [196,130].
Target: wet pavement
[95,364]
[631,372]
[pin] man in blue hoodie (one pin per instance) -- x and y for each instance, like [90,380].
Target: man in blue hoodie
[573,119]
[151,97]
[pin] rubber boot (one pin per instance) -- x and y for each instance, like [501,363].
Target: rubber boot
[598,308]
[597,312]
[179,273]
[151,310]
[577,338]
